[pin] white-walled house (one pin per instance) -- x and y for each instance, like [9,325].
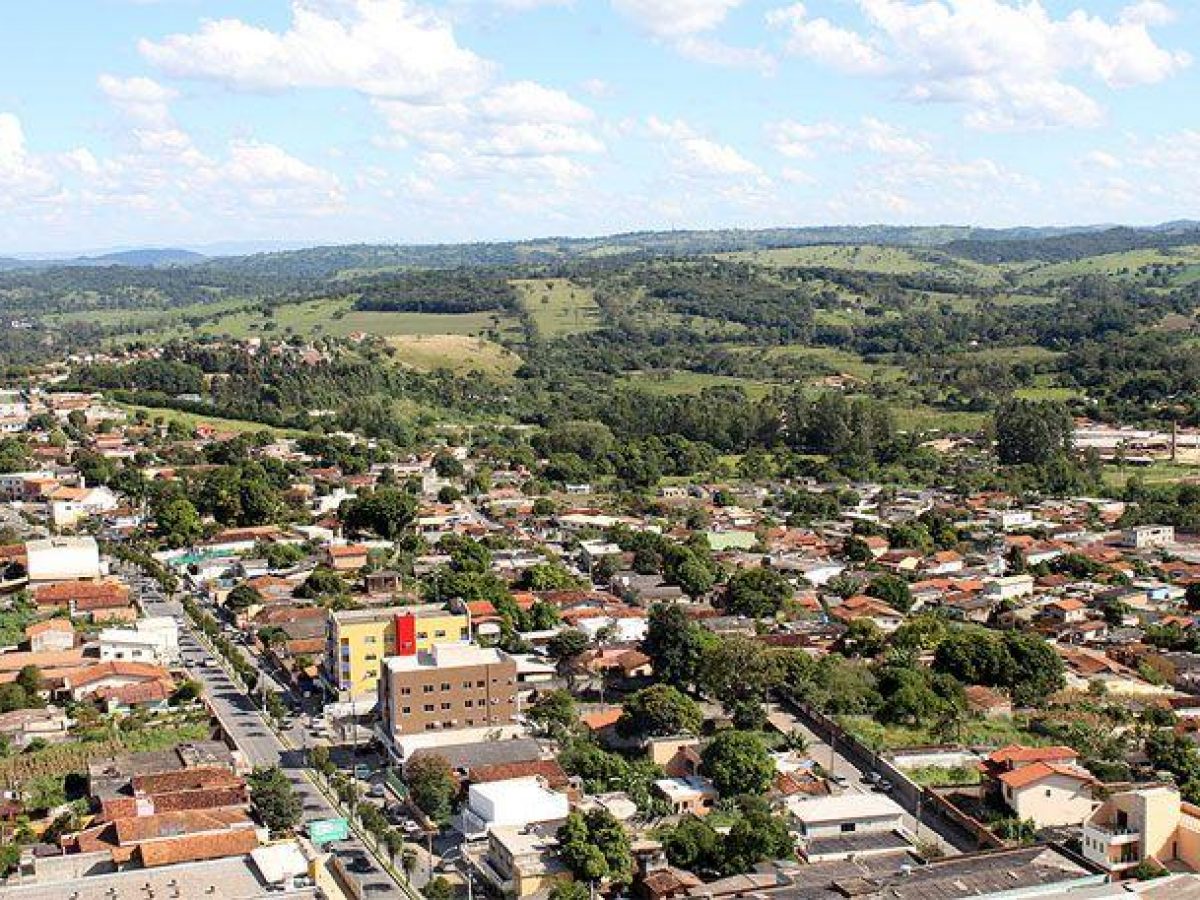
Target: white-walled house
[152,640]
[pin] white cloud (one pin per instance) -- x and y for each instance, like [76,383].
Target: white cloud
[527,101]
[693,155]
[676,18]
[21,174]
[142,99]
[381,48]
[798,140]
[1007,62]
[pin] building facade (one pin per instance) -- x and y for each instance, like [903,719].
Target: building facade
[358,641]
[448,687]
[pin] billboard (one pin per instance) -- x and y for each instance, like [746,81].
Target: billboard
[322,831]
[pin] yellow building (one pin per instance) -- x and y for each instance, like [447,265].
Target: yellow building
[358,640]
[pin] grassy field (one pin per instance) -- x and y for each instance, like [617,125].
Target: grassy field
[192,420]
[456,352]
[314,318]
[855,257]
[927,418]
[1162,472]
[944,776]
[1124,264]
[558,306]
[693,383]
[976,732]
[1046,393]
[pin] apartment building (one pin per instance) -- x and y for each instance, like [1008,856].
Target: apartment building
[358,641]
[448,687]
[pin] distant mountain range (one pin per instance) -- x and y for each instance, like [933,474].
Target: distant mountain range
[982,244]
[149,257]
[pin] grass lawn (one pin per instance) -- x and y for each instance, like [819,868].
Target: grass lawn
[944,776]
[558,306]
[833,361]
[1046,393]
[1026,353]
[456,352]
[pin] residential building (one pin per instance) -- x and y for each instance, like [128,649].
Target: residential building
[513,802]
[1009,587]
[1045,784]
[357,642]
[521,861]
[1148,537]
[153,640]
[62,559]
[688,794]
[449,686]
[50,636]
[1144,823]
[850,824]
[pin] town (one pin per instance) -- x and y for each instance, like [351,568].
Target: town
[241,661]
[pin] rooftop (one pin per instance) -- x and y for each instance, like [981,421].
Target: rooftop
[447,656]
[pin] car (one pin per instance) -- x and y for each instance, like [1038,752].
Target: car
[883,786]
[840,780]
[377,790]
[362,771]
[871,778]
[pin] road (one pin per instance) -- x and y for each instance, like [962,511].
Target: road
[245,724]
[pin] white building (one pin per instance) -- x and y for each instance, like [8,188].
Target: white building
[847,825]
[63,559]
[1009,587]
[517,802]
[152,640]
[1147,537]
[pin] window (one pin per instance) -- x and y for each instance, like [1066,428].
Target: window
[463,634]
[466,685]
[422,635]
[371,657]
[481,684]
[1047,792]
[439,633]
[445,706]
[405,691]
[427,688]
[847,827]
[406,710]
[372,639]
[445,685]
[468,703]
[428,707]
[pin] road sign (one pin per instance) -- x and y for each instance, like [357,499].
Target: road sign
[322,831]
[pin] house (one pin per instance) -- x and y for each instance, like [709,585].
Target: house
[849,824]
[513,802]
[1068,610]
[1008,587]
[1149,823]
[1045,784]
[211,787]
[20,726]
[99,601]
[944,562]
[861,606]
[346,557]
[154,640]
[169,838]
[688,794]
[1049,795]
[50,636]
[521,861]
[106,679]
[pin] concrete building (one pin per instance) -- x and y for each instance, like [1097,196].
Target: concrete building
[846,825]
[154,640]
[358,640]
[62,559]
[688,794]
[521,861]
[1146,823]
[513,803]
[448,687]
[1148,537]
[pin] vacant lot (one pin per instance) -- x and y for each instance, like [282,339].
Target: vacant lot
[558,306]
[667,383]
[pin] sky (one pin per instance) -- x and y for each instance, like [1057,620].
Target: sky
[197,122]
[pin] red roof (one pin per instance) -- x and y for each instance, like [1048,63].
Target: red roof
[1031,774]
[1018,753]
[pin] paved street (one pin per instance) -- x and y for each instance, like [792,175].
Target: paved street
[246,725]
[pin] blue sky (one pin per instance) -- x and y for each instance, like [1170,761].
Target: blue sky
[189,122]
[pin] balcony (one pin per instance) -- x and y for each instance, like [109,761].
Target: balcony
[1110,832]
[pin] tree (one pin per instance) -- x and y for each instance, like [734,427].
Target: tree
[567,644]
[439,888]
[177,521]
[554,713]
[737,762]
[693,845]
[275,800]
[758,593]
[569,890]
[188,691]
[659,711]
[321,582]
[1031,431]
[432,786]
[756,835]
[550,577]
[386,511]
[595,847]
[31,682]
[737,668]
[892,590]
[674,644]
[241,598]
[862,637]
